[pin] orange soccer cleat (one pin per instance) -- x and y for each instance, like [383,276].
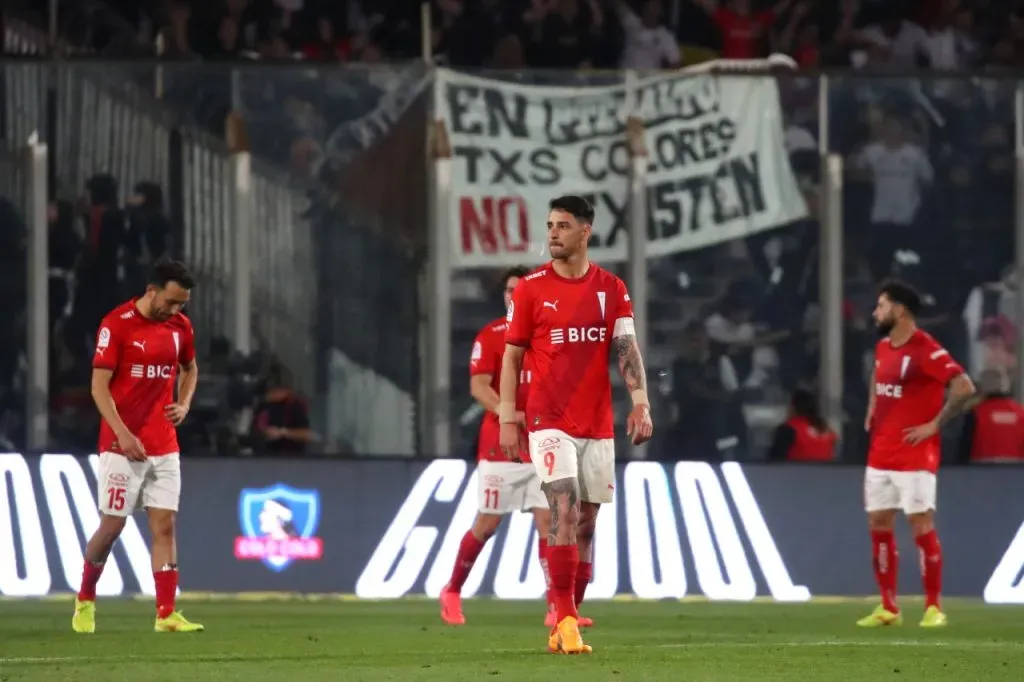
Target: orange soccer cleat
[451,607]
[565,638]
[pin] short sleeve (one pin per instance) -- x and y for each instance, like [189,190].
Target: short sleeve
[520,317]
[622,319]
[938,364]
[109,340]
[187,350]
[485,356]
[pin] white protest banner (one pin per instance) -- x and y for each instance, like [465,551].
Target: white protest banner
[717,166]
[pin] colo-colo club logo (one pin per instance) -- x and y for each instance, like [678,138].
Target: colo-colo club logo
[650,544]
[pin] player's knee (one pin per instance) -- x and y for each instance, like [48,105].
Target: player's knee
[111,525]
[485,526]
[881,521]
[921,524]
[162,525]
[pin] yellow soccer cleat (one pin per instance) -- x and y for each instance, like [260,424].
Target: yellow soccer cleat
[880,617]
[933,618]
[84,620]
[565,638]
[176,623]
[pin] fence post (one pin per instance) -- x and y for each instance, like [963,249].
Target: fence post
[436,410]
[37,319]
[637,252]
[241,231]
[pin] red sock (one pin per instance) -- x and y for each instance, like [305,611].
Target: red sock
[166,589]
[469,550]
[931,566]
[886,562]
[584,572]
[542,553]
[90,576]
[562,562]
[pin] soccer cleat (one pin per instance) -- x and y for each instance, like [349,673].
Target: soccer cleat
[176,623]
[451,608]
[549,620]
[84,620]
[880,617]
[565,638]
[933,618]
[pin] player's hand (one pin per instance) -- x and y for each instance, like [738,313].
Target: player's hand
[520,433]
[639,426]
[175,413]
[131,447]
[919,434]
[508,440]
[867,423]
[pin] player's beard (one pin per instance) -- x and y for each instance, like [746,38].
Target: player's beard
[884,327]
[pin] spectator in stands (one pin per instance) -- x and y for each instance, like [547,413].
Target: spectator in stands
[706,400]
[993,431]
[744,30]
[149,233]
[281,421]
[950,45]
[804,436]
[799,37]
[904,42]
[649,42]
[175,35]
[13,278]
[990,319]
[99,267]
[900,172]
[65,248]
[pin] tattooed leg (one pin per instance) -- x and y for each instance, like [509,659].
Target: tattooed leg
[585,530]
[564,499]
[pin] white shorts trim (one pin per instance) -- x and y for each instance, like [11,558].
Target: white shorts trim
[914,492]
[124,486]
[557,455]
[506,487]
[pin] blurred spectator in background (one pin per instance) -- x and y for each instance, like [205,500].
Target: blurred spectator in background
[65,248]
[804,436]
[149,233]
[993,431]
[649,43]
[707,411]
[743,26]
[990,318]
[281,421]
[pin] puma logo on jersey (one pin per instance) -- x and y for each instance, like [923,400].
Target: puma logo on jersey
[141,345]
[553,306]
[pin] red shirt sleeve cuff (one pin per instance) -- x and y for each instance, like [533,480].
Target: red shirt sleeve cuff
[522,343]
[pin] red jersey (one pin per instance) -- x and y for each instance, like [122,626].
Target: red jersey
[568,326]
[910,386]
[810,444]
[742,34]
[488,351]
[998,431]
[144,356]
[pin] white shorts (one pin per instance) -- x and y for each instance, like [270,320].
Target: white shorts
[557,455]
[125,486]
[505,487]
[912,491]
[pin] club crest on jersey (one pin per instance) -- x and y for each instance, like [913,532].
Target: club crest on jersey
[279,525]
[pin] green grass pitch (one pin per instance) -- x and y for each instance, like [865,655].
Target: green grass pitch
[353,641]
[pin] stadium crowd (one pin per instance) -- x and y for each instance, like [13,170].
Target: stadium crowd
[734,328]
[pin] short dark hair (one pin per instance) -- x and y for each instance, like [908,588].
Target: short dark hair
[900,292]
[576,206]
[518,271]
[167,271]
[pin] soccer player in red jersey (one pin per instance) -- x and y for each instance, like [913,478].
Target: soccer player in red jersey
[504,486]
[572,316]
[143,347]
[905,415]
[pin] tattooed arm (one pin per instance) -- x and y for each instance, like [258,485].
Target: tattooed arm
[631,365]
[961,391]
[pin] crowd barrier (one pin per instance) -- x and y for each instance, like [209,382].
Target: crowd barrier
[388,528]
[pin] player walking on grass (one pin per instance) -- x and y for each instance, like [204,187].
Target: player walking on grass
[572,316]
[905,416]
[503,486]
[143,346]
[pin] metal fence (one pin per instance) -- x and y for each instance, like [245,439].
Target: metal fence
[304,199]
